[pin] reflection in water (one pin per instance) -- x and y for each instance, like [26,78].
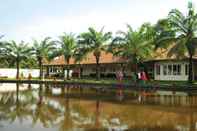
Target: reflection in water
[97,114]
[75,110]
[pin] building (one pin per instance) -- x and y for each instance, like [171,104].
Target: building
[171,67]
[159,67]
[109,65]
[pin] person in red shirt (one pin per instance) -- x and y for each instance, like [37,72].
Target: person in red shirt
[143,76]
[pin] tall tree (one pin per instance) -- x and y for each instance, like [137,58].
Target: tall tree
[16,53]
[96,42]
[42,50]
[79,55]
[67,48]
[181,36]
[134,46]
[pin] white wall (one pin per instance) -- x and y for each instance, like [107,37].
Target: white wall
[181,77]
[11,73]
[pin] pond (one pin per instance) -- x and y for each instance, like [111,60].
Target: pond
[48,108]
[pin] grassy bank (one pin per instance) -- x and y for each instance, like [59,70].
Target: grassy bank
[114,81]
[87,80]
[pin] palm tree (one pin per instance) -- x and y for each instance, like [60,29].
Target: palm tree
[67,49]
[181,35]
[79,55]
[94,41]
[42,50]
[16,53]
[134,46]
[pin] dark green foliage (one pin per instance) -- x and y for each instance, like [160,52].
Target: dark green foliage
[95,42]
[179,32]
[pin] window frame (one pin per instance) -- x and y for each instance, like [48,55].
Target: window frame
[158,69]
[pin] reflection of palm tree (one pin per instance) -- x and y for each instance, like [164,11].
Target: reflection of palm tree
[47,87]
[44,112]
[66,123]
[17,91]
[62,90]
[29,86]
[16,108]
[192,122]
[97,114]
[191,116]
[20,110]
[40,94]
[6,102]
[12,108]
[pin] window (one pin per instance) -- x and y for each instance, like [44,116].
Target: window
[165,70]
[158,69]
[169,69]
[174,69]
[177,69]
[186,69]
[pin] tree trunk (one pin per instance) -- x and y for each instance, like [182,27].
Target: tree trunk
[81,72]
[135,69]
[47,73]
[97,68]
[40,66]
[68,71]
[190,77]
[63,69]
[68,68]
[17,68]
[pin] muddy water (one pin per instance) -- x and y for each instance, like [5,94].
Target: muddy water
[47,109]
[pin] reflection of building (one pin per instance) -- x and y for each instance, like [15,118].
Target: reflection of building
[159,67]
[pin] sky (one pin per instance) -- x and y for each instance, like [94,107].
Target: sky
[36,19]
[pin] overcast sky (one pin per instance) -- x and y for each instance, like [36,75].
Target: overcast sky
[27,19]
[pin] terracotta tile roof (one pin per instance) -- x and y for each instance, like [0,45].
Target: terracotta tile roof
[162,54]
[159,54]
[90,59]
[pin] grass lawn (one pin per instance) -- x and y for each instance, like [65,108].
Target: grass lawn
[114,81]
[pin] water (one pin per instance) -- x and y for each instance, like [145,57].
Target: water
[46,109]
